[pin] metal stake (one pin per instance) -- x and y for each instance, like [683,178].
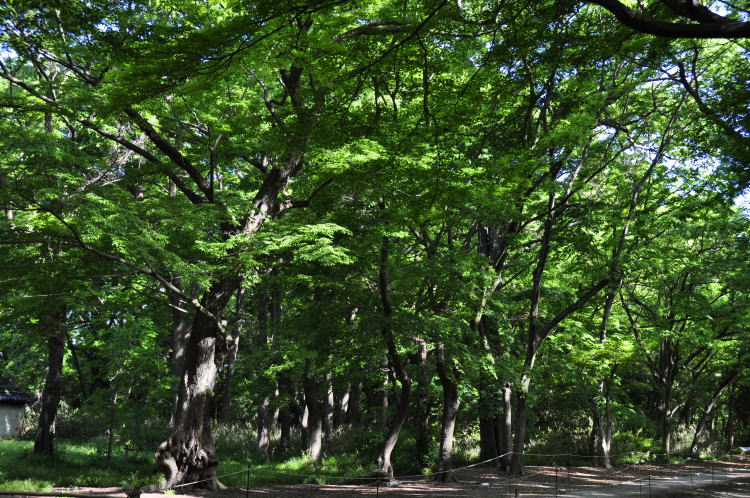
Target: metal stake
[555,481]
[247,483]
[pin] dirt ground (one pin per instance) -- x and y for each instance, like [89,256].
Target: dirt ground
[705,479]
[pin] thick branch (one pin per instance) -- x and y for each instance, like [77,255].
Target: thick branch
[651,26]
[171,152]
[192,196]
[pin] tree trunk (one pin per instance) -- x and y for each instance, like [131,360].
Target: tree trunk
[667,367]
[264,428]
[189,454]
[603,423]
[77,366]
[593,435]
[376,397]
[729,430]
[384,457]
[180,337]
[488,421]
[226,398]
[342,406]
[328,406]
[44,443]
[507,429]
[450,412]
[285,416]
[314,418]
[394,361]
[263,417]
[490,439]
[707,411]
[516,463]
[304,424]
[353,415]
[423,410]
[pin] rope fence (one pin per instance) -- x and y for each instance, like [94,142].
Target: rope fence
[690,474]
[512,483]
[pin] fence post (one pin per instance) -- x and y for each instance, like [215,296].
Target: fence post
[555,481]
[247,483]
[649,486]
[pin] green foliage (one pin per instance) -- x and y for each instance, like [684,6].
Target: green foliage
[75,465]
[492,178]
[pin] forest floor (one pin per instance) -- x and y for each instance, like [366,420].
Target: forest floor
[729,478]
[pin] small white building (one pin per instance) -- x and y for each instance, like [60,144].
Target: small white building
[13,401]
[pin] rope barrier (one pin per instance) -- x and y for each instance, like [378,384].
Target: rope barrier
[209,479]
[513,479]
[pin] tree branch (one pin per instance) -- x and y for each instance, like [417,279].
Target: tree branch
[644,24]
[171,152]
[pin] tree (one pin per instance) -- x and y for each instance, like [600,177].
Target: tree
[707,23]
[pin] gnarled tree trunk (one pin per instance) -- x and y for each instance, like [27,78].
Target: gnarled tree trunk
[189,454]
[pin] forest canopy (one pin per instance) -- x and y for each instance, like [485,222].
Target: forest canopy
[517,221]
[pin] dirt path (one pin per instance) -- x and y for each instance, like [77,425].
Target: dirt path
[705,479]
[734,484]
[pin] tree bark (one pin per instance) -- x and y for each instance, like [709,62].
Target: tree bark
[708,410]
[226,398]
[353,415]
[189,453]
[488,421]
[44,443]
[450,411]
[718,27]
[328,407]
[314,418]
[423,410]
[604,422]
[516,465]
[669,363]
[304,424]
[394,361]
[285,418]
[507,429]
[263,417]
[180,336]
[377,400]
[342,406]
[729,430]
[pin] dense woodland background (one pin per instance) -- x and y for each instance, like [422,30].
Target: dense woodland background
[366,230]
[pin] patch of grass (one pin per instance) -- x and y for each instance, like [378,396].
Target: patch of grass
[75,464]
[30,485]
[348,454]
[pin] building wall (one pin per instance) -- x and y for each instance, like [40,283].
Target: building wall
[10,420]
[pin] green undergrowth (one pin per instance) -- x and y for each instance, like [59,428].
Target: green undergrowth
[348,454]
[75,464]
[293,471]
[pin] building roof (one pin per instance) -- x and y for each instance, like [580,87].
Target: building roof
[13,395]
